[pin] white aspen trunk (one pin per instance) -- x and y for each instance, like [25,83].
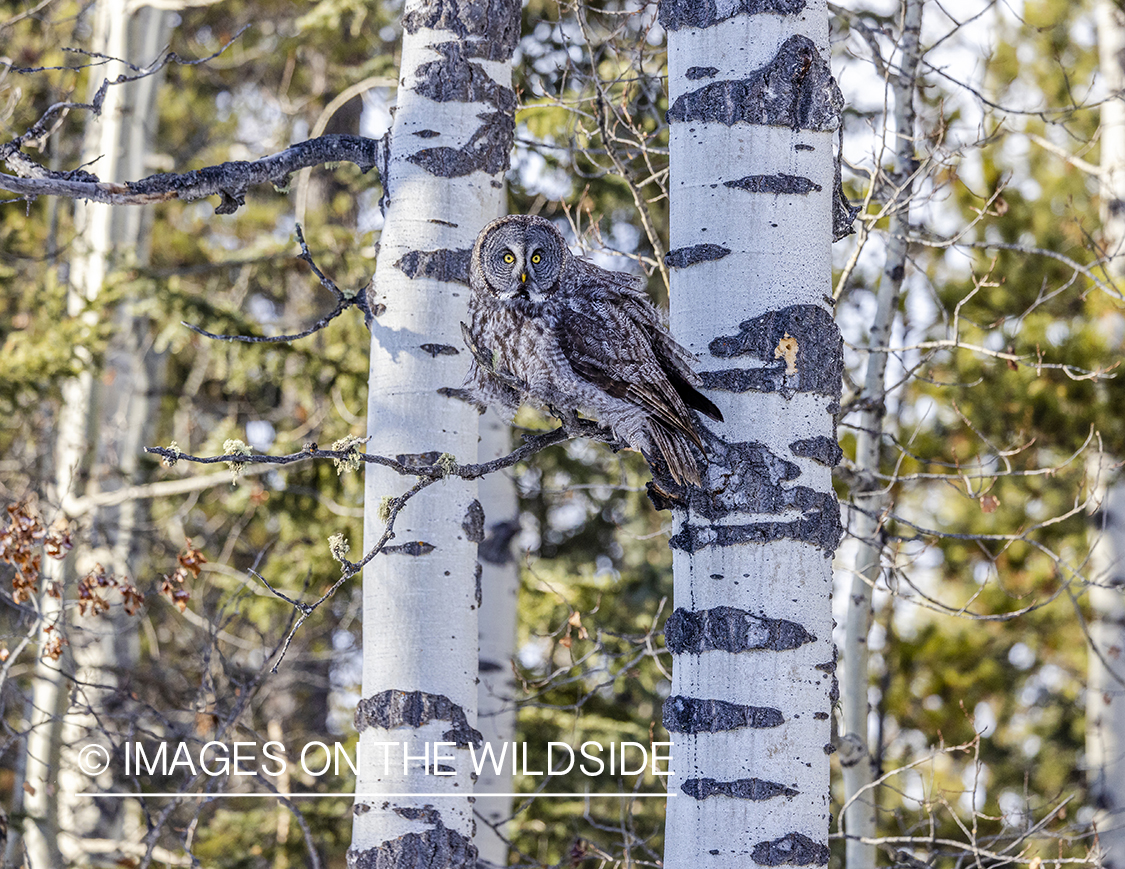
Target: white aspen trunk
[87,275]
[856,758]
[499,583]
[1111,53]
[1105,696]
[752,197]
[41,821]
[449,147]
[101,431]
[1105,691]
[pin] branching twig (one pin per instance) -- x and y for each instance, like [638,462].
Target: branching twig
[344,301]
[241,701]
[227,180]
[533,444]
[39,130]
[601,113]
[426,475]
[939,243]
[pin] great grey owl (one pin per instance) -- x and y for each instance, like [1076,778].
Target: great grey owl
[559,331]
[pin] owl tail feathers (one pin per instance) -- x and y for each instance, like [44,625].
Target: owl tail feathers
[675,450]
[691,396]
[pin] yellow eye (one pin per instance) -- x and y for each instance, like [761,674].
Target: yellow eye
[536,258]
[509,258]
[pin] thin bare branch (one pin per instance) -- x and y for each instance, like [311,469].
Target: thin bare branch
[229,181]
[344,300]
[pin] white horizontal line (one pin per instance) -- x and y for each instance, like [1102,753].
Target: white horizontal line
[302,794]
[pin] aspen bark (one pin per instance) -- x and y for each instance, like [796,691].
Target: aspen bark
[754,110]
[856,757]
[1105,694]
[499,583]
[1105,689]
[101,432]
[449,147]
[1111,54]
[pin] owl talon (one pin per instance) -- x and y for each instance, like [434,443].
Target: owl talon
[569,419]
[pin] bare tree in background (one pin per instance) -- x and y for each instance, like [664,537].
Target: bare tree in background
[871,494]
[1105,691]
[101,431]
[496,694]
[753,197]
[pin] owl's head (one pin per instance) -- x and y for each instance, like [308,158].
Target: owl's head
[519,258]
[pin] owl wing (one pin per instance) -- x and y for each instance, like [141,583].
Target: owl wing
[590,284]
[605,344]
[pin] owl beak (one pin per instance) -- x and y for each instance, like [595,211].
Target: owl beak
[523,277]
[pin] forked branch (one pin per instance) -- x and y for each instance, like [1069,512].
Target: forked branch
[229,181]
[425,476]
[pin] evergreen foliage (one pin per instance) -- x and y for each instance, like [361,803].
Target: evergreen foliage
[980,610]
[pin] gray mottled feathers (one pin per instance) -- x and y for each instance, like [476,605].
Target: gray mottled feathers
[565,333]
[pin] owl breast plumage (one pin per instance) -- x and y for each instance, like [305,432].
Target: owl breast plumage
[561,332]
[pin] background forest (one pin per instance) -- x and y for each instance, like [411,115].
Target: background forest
[976,471]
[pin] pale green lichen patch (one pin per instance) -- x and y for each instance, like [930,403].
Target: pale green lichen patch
[174,449]
[352,461]
[235,447]
[339,547]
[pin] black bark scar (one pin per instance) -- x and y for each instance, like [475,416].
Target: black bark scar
[414,547]
[391,709]
[795,89]
[436,350]
[743,789]
[676,14]
[690,715]
[491,27]
[795,849]
[682,257]
[747,479]
[473,523]
[437,848]
[488,150]
[731,630]
[455,78]
[821,529]
[697,72]
[780,183]
[441,265]
[819,360]
[821,448]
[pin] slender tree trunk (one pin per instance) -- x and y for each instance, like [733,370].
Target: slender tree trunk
[856,757]
[753,113]
[449,147]
[101,430]
[1111,51]
[499,584]
[1105,694]
[41,824]
[1105,689]
[87,275]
